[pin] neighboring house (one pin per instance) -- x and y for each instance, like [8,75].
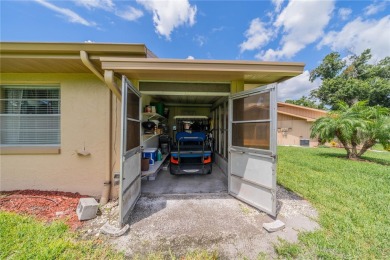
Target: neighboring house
[294,123]
[61,103]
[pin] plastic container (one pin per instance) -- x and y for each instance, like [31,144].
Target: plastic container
[150,153]
[159,155]
[159,107]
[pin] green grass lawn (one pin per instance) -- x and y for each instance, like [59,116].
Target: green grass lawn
[352,198]
[24,237]
[379,147]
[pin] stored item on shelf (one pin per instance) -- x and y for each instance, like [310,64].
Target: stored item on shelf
[149,127]
[150,153]
[164,148]
[159,107]
[145,164]
[159,155]
[148,109]
[165,141]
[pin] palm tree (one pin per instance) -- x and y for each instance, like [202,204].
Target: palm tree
[354,126]
[377,129]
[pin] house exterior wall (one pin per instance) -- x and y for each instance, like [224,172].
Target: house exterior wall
[85,109]
[297,129]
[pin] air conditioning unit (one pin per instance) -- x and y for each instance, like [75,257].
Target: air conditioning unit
[304,142]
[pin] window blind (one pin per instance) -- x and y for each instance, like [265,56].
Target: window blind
[30,115]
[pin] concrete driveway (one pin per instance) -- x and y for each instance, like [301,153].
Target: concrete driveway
[185,213]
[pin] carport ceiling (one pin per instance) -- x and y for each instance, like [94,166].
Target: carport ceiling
[187,100]
[185,92]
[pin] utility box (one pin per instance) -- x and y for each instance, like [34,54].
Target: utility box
[304,142]
[87,208]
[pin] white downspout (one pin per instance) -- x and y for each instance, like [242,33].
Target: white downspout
[109,79]
[107,178]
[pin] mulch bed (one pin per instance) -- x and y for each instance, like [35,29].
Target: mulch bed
[45,205]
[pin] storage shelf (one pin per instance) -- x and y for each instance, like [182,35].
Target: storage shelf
[154,168]
[148,137]
[151,116]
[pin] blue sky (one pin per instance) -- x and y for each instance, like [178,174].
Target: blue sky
[277,30]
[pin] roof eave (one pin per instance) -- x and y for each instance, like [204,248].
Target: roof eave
[248,71]
[308,119]
[50,48]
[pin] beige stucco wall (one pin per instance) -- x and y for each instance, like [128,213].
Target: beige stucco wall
[298,129]
[84,123]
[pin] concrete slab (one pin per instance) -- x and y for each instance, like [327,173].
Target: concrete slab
[113,231]
[274,226]
[166,183]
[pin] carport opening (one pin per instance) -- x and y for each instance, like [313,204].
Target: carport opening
[192,134]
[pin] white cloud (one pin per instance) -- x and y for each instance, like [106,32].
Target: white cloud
[190,57]
[170,14]
[130,13]
[278,5]
[358,35]
[200,39]
[374,8]
[297,87]
[257,36]
[101,4]
[303,22]
[217,29]
[67,13]
[344,13]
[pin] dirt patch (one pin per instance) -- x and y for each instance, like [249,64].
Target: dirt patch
[45,205]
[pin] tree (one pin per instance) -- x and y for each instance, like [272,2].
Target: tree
[355,126]
[354,81]
[306,102]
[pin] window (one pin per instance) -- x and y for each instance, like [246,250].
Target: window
[251,121]
[30,115]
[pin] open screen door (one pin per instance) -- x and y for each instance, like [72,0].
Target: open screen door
[252,147]
[130,172]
